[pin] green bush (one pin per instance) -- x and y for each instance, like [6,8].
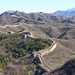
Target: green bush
[5,59]
[20,47]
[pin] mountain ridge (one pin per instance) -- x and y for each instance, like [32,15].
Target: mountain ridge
[34,18]
[71,9]
[68,12]
[30,18]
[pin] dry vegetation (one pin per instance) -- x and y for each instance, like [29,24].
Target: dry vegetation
[41,25]
[58,57]
[63,52]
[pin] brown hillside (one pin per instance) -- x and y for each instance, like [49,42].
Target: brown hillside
[30,18]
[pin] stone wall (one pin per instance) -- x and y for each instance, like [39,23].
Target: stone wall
[43,52]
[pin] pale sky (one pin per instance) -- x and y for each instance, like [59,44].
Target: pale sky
[47,6]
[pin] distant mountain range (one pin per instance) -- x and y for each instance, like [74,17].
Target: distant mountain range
[69,12]
[73,9]
[12,17]
[11,11]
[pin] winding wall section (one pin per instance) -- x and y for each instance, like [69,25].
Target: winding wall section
[43,52]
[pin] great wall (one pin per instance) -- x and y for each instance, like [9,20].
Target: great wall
[40,53]
[43,52]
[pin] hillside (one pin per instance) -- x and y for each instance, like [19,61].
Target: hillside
[8,18]
[16,49]
[67,69]
[31,18]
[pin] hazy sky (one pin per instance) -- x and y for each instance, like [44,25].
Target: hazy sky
[48,6]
